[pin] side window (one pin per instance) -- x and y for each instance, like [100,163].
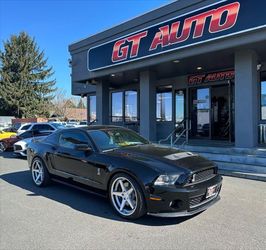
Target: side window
[25,127]
[36,127]
[71,138]
[26,134]
[46,127]
[42,127]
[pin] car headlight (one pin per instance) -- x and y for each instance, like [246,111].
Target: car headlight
[166,180]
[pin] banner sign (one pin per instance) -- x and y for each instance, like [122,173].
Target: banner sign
[211,77]
[212,22]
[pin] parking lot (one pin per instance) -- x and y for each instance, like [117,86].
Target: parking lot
[60,217]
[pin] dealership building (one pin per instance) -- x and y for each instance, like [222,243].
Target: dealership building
[197,64]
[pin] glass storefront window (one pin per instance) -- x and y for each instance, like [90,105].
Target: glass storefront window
[131,106]
[164,106]
[179,106]
[203,112]
[117,107]
[200,112]
[92,108]
[263,95]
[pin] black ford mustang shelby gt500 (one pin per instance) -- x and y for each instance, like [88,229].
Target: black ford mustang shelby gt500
[139,177]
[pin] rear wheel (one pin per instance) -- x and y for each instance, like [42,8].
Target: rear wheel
[39,172]
[126,197]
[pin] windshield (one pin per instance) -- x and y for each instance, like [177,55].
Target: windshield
[115,138]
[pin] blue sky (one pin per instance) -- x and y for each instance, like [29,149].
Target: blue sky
[57,23]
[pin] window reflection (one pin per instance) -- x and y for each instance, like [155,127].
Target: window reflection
[263,95]
[164,106]
[203,112]
[131,106]
[92,108]
[179,106]
[117,106]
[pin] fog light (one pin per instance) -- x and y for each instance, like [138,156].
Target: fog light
[176,204]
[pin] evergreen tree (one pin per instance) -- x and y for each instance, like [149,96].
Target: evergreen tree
[25,86]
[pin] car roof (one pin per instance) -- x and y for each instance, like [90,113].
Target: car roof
[33,123]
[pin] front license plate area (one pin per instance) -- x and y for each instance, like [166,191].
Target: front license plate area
[211,191]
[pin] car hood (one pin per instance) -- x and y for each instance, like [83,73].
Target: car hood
[28,140]
[163,159]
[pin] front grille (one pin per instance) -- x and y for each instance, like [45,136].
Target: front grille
[203,175]
[200,200]
[17,147]
[196,200]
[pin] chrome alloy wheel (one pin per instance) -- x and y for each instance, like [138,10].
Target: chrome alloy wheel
[37,172]
[124,196]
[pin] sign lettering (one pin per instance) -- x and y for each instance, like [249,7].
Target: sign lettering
[216,21]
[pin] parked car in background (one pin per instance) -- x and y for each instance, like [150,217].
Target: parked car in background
[20,147]
[16,126]
[139,177]
[23,127]
[6,134]
[10,129]
[83,123]
[7,143]
[40,126]
[72,123]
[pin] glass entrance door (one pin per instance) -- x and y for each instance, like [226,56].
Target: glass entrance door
[212,112]
[220,102]
[200,113]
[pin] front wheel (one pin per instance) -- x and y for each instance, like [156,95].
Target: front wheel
[2,147]
[126,197]
[39,172]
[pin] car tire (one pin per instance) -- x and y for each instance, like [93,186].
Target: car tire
[2,147]
[126,197]
[39,173]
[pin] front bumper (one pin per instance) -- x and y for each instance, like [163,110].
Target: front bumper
[18,150]
[188,213]
[182,201]
[21,153]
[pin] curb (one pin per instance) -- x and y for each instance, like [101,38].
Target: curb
[244,175]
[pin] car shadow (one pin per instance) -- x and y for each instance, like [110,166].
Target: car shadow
[81,200]
[9,154]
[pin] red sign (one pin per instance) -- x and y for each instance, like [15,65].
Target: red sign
[211,77]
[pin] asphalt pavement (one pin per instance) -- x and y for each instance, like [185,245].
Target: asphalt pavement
[60,217]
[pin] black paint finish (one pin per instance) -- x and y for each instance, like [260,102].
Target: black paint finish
[145,163]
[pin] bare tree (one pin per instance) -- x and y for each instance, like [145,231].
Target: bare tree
[62,106]
[59,107]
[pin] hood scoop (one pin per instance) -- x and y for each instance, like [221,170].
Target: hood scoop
[179,156]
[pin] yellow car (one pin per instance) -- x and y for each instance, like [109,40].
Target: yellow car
[4,134]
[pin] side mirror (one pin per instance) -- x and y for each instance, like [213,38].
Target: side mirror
[83,147]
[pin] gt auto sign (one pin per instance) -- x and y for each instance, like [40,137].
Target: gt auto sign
[168,35]
[221,19]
